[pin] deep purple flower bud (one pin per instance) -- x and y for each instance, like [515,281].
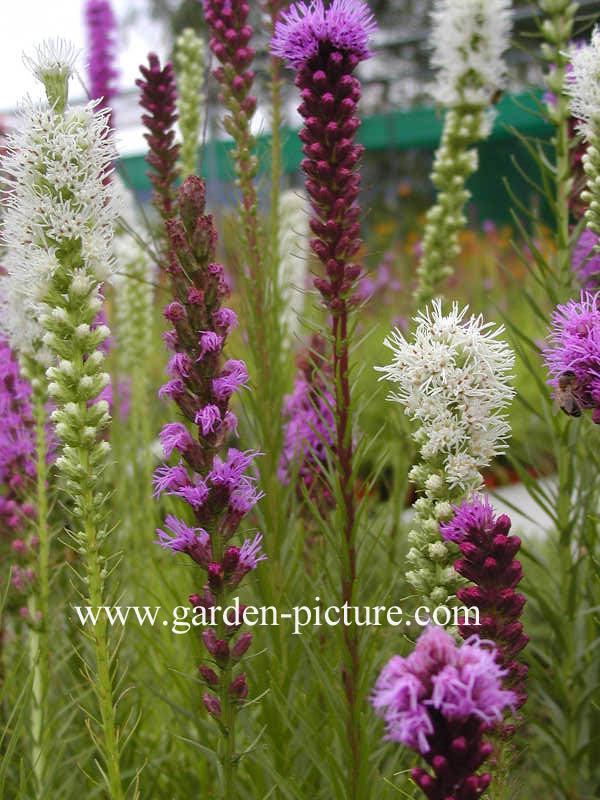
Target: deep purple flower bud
[230,560]
[174,312]
[215,576]
[242,643]
[208,675]
[221,652]
[239,688]
[213,704]
[209,637]
[206,600]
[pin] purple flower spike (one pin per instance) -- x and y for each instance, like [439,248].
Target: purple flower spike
[439,701]
[217,490]
[309,426]
[586,260]
[158,97]
[488,552]
[303,29]
[101,27]
[18,467]
[572,355]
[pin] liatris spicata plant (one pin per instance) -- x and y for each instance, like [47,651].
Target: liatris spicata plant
[293,260]
[309,426]
[586,260]
[230,36]
[58,226]
[488,561]
[189,62]
[101,30]
[453,381]
[572,355]
[439,701]
[469,38]
[159,98]
[324,47]
[583,89]
[218,490]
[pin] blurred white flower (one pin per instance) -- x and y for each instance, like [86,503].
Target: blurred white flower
[469,38]
[583,86]
[294,250]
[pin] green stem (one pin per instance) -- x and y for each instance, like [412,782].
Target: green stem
[95,579]
[562,199]
[455,161]
[227,704]
[347,514]
[39,605]
[275,68]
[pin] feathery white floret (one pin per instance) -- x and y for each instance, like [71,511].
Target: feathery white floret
[583,86]
[453,379]
[54,58]
[469,38]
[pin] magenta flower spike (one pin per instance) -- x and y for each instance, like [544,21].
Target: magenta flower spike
[309,427]
[18,470]
[17,443]
[215,485]
[324,47]
[101,30]
[488,561]
[230,36]
[158,97]
[440,701]
[572,355]
[586,260]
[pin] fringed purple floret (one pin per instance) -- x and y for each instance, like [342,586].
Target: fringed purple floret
[303,29]
[439,701]
[184,539]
